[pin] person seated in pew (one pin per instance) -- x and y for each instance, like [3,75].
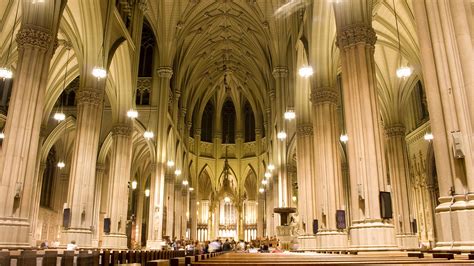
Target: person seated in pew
[277,250]
[71,246]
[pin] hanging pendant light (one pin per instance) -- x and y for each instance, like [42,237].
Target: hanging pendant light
[402,71]
[61,164]
[148,134]
[5,72]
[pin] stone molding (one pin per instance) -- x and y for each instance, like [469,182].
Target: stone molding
[122,130]
[354,34]
[142,5]
[89,95]
[258,131]
[304,129]
[324,95]
[169,178]
[239,135]
[100,167]
[280,72]
[395,131]
[35,37]
[164,72]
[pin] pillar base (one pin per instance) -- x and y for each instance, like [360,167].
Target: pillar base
[114,241]
[331,240]
[408,242]
[82,236]
[307,243]
[372,235]
[155,244]
[454,228]
[14,233]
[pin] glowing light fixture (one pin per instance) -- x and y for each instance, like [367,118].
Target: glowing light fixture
[261,190]
[344,138]
[264,182]
[59,116]
[290,115]
[148,134]
[134,184]
[61,164]
[271,167]
[268,175]
[226,199]
[185,182]
[404,72]
[2,135]
[293,198]
[5,73]
[428,137]
[147,192]
[37,1]
[132,113]
[281,135]
[191,189]
[99,72]
[306,71]
[170,163]
[177,172]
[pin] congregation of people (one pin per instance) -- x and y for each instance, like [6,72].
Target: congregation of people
[259,245]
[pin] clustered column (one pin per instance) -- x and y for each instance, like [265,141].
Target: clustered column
[327,165]
[365,151]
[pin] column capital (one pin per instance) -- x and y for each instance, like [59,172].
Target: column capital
[35,37]
[142,5]
[304,129]
[164,72]
[280,72]
[396,130]
[356,33]
[218,135]
[89,95]
[122,129]
[324,95]
[169,178]
[258,131]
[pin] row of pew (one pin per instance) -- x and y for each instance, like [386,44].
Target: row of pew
[94,257]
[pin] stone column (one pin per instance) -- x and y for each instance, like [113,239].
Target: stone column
[119,177]
[281,74]
[18,158]
[306,183]
[397,158]
[445,35]
[327,165]
[139,215]
[99,176]
[178,210]
[82,178]
[155,228]
[193,207]
[365,151]
[169,199]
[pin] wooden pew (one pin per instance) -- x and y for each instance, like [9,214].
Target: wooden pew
[50,258]
[67,258]
[27,258]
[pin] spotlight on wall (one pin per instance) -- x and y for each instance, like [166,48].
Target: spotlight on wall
[170,163]
[132,113]
[5,73]
[185,182]
[290,115]
[59,116]
[306,71]
[428,136]
[61,164]
[261,190]
[148,134]
[404,72]
[99,72]
[271,167]
[177,172]
[147,192]
[344,138]
[281,135]
[268,175]
[264,182]
[134,184]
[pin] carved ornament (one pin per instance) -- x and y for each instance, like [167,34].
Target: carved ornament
[89,95]
[122,130]
[35,38]
[355,34]
[395,131]
[165,72]
[324,95]
[304,129]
